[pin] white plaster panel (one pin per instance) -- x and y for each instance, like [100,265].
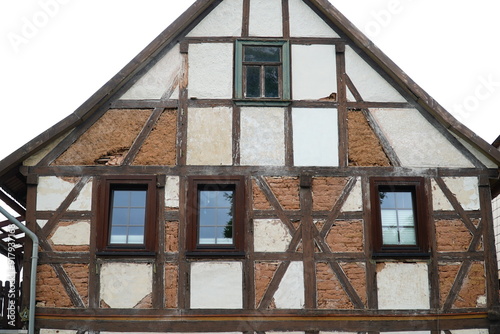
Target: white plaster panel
[403,286]
[266,18]
[371,85]
[354,201]
[471,331]
[41,222]
[124,285]
[158,79]
[314,71]
[304,22]
[413,332]
[210,136]
[216,285]
[56,331]
[271,235]
[172,192]
[52,191]
[478,154]
[262,140]
[230,12]
[315,137]
[466,190]
[76,234]
[210,71]
[290,293]
[416,142]
[439,200]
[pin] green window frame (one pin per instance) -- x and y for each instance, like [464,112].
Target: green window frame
[257,71]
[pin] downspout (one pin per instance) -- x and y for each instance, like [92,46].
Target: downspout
[34,262]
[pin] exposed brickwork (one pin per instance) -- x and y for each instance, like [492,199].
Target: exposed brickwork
[159,149]
[64,248]
[330,293]
[286,190]
[356,273]
[260,201]
[79,275]
[172,237]
[49,289]
[264,273]
[364,146]
[447,276]
[452,236]
[473,288]
[114,132]
[145,303]
[326,191]
[346,236]
[171,285]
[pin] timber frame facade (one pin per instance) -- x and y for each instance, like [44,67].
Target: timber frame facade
[303,165]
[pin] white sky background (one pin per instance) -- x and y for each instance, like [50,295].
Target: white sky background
[54,54]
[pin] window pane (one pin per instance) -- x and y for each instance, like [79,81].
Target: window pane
[390,236]
[128,217]
[387,200]
[253,81]
[207,236]
[215,217]
[407,236]
[118,235]
[405,218]
[271,81]
[208,217]
[389,218]
[403,200]
[263,53]
[137,216]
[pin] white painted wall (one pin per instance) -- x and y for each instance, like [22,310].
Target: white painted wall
[315,137]
[158,80]
[416,142]
[496,224]
[210,136]
[124,285]
[228,11]
[271,235]
[354,201]
[290,293]
[76,234]
[403,286]
[216,285]
[314,71]
[172,192]
[262,140]
[266,18]
[52,191]
[305,23]
[466,190]
[371,85]
[210,77]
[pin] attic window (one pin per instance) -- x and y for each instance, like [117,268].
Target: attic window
[262,72]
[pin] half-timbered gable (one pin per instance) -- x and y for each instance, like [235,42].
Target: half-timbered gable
[260,167]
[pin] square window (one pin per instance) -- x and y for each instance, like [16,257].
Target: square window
[262,71]
[216,215]
[399,217]
[127,216]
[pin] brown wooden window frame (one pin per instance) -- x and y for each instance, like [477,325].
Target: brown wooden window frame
[106,187]
[415,185]
[196,183]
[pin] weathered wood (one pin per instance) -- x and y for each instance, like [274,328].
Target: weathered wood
[246,19]
[286,18]
[145,104]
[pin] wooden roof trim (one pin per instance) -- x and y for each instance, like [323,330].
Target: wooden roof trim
[397,74]
[102,96]
[496,143]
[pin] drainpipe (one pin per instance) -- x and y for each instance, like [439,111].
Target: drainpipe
[34,261]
